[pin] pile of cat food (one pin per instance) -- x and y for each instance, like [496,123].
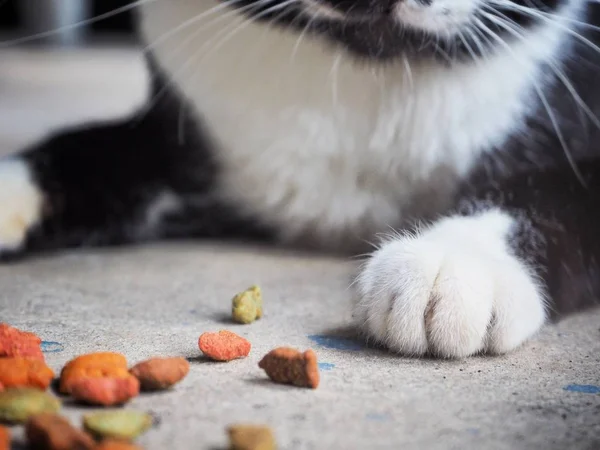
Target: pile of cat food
[105,379]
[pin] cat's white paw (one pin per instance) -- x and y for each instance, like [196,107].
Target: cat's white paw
[20,204]
[452,290]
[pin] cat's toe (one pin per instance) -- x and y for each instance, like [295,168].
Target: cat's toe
[453,290]
[20,205]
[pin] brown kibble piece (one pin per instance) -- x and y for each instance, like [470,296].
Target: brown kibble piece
[93,365]
[17,343]
[160,373]
[114,444]
[105,391]
[224,346]
[251,437]
[53,432]
[4,438]
[289,366]
[19,372]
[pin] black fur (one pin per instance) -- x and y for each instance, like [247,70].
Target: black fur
[100,180]
[554,195]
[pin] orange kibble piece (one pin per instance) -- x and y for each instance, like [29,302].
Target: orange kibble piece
[4,438]
[289,366]
[115,444]
[20,372]
[53,432]
[105,391]
[160,373]
[17,343]
[224,345]
[93,365]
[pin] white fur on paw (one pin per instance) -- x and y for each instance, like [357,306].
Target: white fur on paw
[452,290]
[20,203]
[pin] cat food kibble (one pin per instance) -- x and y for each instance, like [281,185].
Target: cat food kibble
[160,373]
[17,343]
[224,346]
[4,438]
[247,306]
[20,372]
[17,405]
[289,366]
[121,424]
[93,365]
[251,437]
[116,444]
[105,391]
[53,432]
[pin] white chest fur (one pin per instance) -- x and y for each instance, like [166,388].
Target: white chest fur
[326,147]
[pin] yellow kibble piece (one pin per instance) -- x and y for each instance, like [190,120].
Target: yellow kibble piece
[247,306]
[17,405]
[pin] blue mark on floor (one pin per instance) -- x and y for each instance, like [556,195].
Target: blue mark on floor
[378,417]
[583,388]
[334,342]
[473,431]
[326,366]
[51,347]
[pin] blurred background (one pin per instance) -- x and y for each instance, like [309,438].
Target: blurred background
[74,74]
[26,17]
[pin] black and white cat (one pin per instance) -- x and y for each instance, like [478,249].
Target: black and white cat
[326,122]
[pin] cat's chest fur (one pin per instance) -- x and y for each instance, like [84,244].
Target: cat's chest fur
[325,147]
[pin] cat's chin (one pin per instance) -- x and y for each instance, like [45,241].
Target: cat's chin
[383,40]
[377,39]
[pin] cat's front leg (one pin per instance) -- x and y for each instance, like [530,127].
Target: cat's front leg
[485,279]
[97,184]
[114,183]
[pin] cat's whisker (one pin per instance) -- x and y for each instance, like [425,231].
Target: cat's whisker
[301,37]
[242,23]
[275,20]
[408,71]
[73,26]
[480,40]
[508,4]
[555,21]
[461,36]
[247,22]
[543,99]
[200,28]
[333,74]
[557,71]
[181,125]
[229,33]
[173,79]
[188,23]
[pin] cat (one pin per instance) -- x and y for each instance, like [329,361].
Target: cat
[458,136]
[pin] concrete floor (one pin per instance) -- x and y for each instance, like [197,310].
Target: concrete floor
[157,299]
